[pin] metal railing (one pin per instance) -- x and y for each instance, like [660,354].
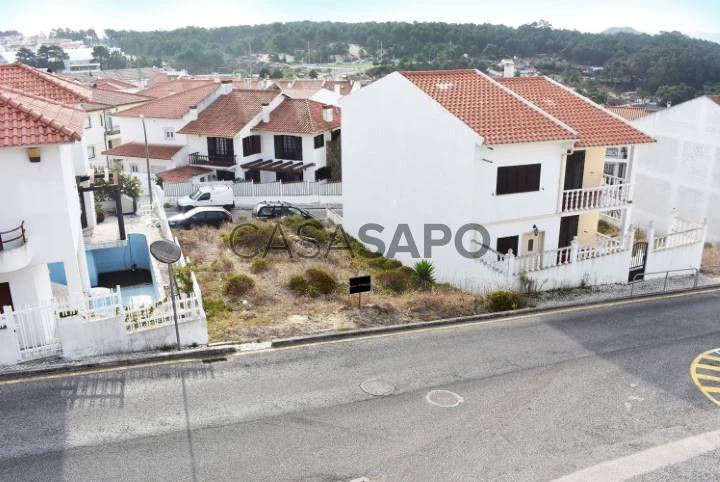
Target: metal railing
[13,238]
[641,278]
[212,160]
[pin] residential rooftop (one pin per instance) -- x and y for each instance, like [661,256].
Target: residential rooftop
[164,89]
[137,149]
[173,106]
[230,113]
[300,116]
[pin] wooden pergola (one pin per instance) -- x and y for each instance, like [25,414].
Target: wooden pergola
[277,166]
[111,184]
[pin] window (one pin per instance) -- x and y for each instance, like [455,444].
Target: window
[88,125]
[169,133]
[134,168]
[204,197]
[101,118]
[515,179]
[91,152]
[251,145]
[288,147]
[220,146]
[334,134]
[506,244]
[319,141]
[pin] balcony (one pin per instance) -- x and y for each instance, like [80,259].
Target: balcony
[613,193]
[14,249]
[198,159]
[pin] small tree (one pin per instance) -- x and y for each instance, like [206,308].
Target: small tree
[26,56]
[101,55]
[276,74]
[313,74]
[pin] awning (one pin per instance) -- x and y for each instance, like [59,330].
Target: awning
[277,166]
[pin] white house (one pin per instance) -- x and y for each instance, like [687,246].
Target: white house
[42,153]
[431,155]
[99,131]
[263,136]
[681,171]
[161,120]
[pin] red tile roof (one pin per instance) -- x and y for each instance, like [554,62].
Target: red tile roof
[172,87]
[137,149]
[26,119]
[230,113]
[628,112]
[299,116]
[37,82]
[715,98]
[596,126]
[172,106]
[492,111]
[182,174]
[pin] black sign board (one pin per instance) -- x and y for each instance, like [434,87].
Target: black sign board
[359,284]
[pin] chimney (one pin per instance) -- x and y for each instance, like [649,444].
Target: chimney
[226,87]
[669,104]
[248,83]
[193,115]
[508,68]
[266,112]
[337,89]
[327,113]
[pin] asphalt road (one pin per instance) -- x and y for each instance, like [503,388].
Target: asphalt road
[590,394]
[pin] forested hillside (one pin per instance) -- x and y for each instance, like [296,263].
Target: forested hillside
[651,62]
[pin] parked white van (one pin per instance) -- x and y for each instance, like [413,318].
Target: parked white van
[220,195]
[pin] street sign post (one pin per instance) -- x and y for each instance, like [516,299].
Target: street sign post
[168,252]
[360,285]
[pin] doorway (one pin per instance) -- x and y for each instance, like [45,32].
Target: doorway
[532,248]
[5,296]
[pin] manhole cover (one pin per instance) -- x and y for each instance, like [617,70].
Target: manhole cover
[444,398]
[378,388]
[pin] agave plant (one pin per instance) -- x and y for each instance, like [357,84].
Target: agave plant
[424,272]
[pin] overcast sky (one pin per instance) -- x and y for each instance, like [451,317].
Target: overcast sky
[698,18]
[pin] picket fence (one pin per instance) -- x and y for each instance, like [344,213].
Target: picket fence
[252,189]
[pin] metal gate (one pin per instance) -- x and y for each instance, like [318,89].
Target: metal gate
[37,332]
[637,261]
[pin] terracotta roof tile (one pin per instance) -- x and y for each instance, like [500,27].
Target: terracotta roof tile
[345,86]
[230,113]
[627,112]
[172,106]
[172,87]
[137,149]
[299,116]
[715,98]
[182,174]
[37,82]
[105,83]
[487,108]
[596,126]
[26,119]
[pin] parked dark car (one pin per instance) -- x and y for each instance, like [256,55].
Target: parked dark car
[270,210]
[209,216]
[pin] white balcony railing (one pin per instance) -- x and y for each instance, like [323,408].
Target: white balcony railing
[613,193]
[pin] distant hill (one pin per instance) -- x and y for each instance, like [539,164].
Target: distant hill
[614,30]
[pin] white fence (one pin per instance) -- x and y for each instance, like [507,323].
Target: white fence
[249,192]
[36,330]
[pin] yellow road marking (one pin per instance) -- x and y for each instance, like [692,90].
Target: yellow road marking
[713,358]
[697,377]
[379,335]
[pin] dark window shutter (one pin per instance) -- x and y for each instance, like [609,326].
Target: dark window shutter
[298,149]
[516,179]
[278,147]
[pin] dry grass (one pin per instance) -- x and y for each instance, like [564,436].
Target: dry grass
[711,259]
[271,310]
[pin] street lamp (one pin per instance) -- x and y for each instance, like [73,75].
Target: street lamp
[168,252]
[147,159]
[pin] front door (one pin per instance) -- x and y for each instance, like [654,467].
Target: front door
[568,230]
[574,169]
[532,246]
[5,296]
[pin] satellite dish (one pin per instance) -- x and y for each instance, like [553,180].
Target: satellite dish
[165,251]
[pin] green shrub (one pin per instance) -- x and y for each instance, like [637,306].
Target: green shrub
[246,239]
[383,264]
[238,285]
[317,233]
[213,307]
[396,280]
[260,265]
[314,282]
[504,301]
[292,221]
[424,272]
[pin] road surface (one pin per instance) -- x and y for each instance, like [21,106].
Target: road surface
[580,394]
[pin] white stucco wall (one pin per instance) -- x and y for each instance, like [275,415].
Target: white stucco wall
[681,170]
[407,160]
[45,197]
